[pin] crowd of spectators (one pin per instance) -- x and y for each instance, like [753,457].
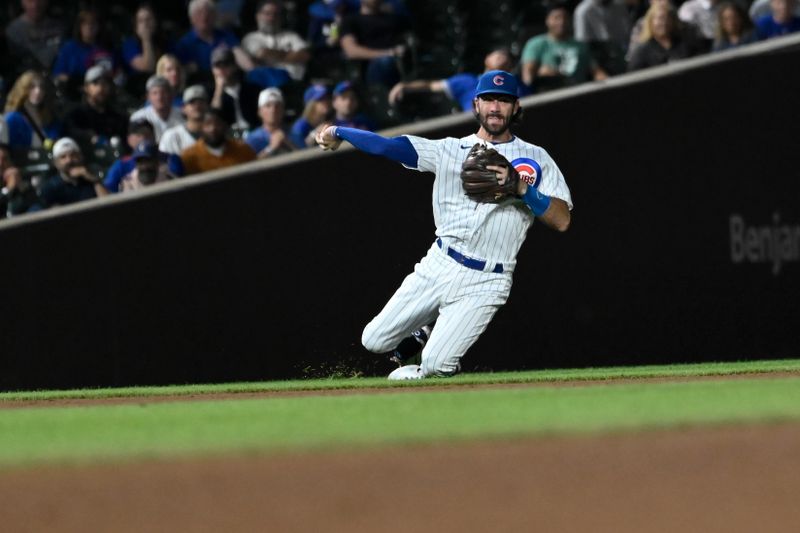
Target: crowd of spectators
[94,106]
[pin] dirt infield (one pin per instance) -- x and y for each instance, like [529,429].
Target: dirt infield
[710,480]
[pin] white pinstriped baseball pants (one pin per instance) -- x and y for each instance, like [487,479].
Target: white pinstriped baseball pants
[461,300]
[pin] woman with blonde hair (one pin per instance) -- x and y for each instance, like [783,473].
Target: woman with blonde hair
[662,39]
[636,31]
[29,113]
[170,68]
[318,109]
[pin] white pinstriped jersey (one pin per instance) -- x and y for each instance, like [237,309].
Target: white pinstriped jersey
[492,232]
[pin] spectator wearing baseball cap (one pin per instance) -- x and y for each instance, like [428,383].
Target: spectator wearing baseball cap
[345,106]
[178,138]
[194,49]
[150,167]
[138,131]
[318,109]
[234,94]
[215,149]
[271,138]
[95,121]
[159,112]
[74,182]
[314,93]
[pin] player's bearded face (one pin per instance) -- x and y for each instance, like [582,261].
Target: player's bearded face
[494,113]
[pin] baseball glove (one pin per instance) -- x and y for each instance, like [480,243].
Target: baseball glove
[480,183]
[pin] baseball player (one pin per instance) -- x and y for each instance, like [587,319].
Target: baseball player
[466,275]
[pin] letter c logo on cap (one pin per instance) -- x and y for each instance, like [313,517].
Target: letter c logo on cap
[498,80]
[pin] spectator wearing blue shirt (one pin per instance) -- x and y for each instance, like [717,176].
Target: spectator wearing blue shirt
[84,50]
[139,131]
[759,8]
[195,47]
[345,107]
[149,167]
[30,119]
[782,21]
[141,50]
[271,138]
[317,111]
[460,88]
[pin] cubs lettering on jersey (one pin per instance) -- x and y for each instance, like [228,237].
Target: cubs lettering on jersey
[529,171]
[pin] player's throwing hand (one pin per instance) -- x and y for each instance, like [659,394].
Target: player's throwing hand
[327,139]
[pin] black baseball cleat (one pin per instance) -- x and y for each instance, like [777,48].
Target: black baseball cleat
[410,347]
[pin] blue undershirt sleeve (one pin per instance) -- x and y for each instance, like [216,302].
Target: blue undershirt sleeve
[397,149]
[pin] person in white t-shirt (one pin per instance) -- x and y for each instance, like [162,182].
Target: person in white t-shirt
[273,46]
[178,138]
[703,16]
[159,112]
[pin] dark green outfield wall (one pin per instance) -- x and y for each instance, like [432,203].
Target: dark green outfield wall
[684,247]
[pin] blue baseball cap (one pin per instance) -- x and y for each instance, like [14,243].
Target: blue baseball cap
[315,92]
[145,150]
[342,87]
[497,82]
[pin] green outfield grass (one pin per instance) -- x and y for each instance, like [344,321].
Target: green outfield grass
[88,433]
[538,376]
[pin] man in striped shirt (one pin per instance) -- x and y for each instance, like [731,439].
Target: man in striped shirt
[466,275]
